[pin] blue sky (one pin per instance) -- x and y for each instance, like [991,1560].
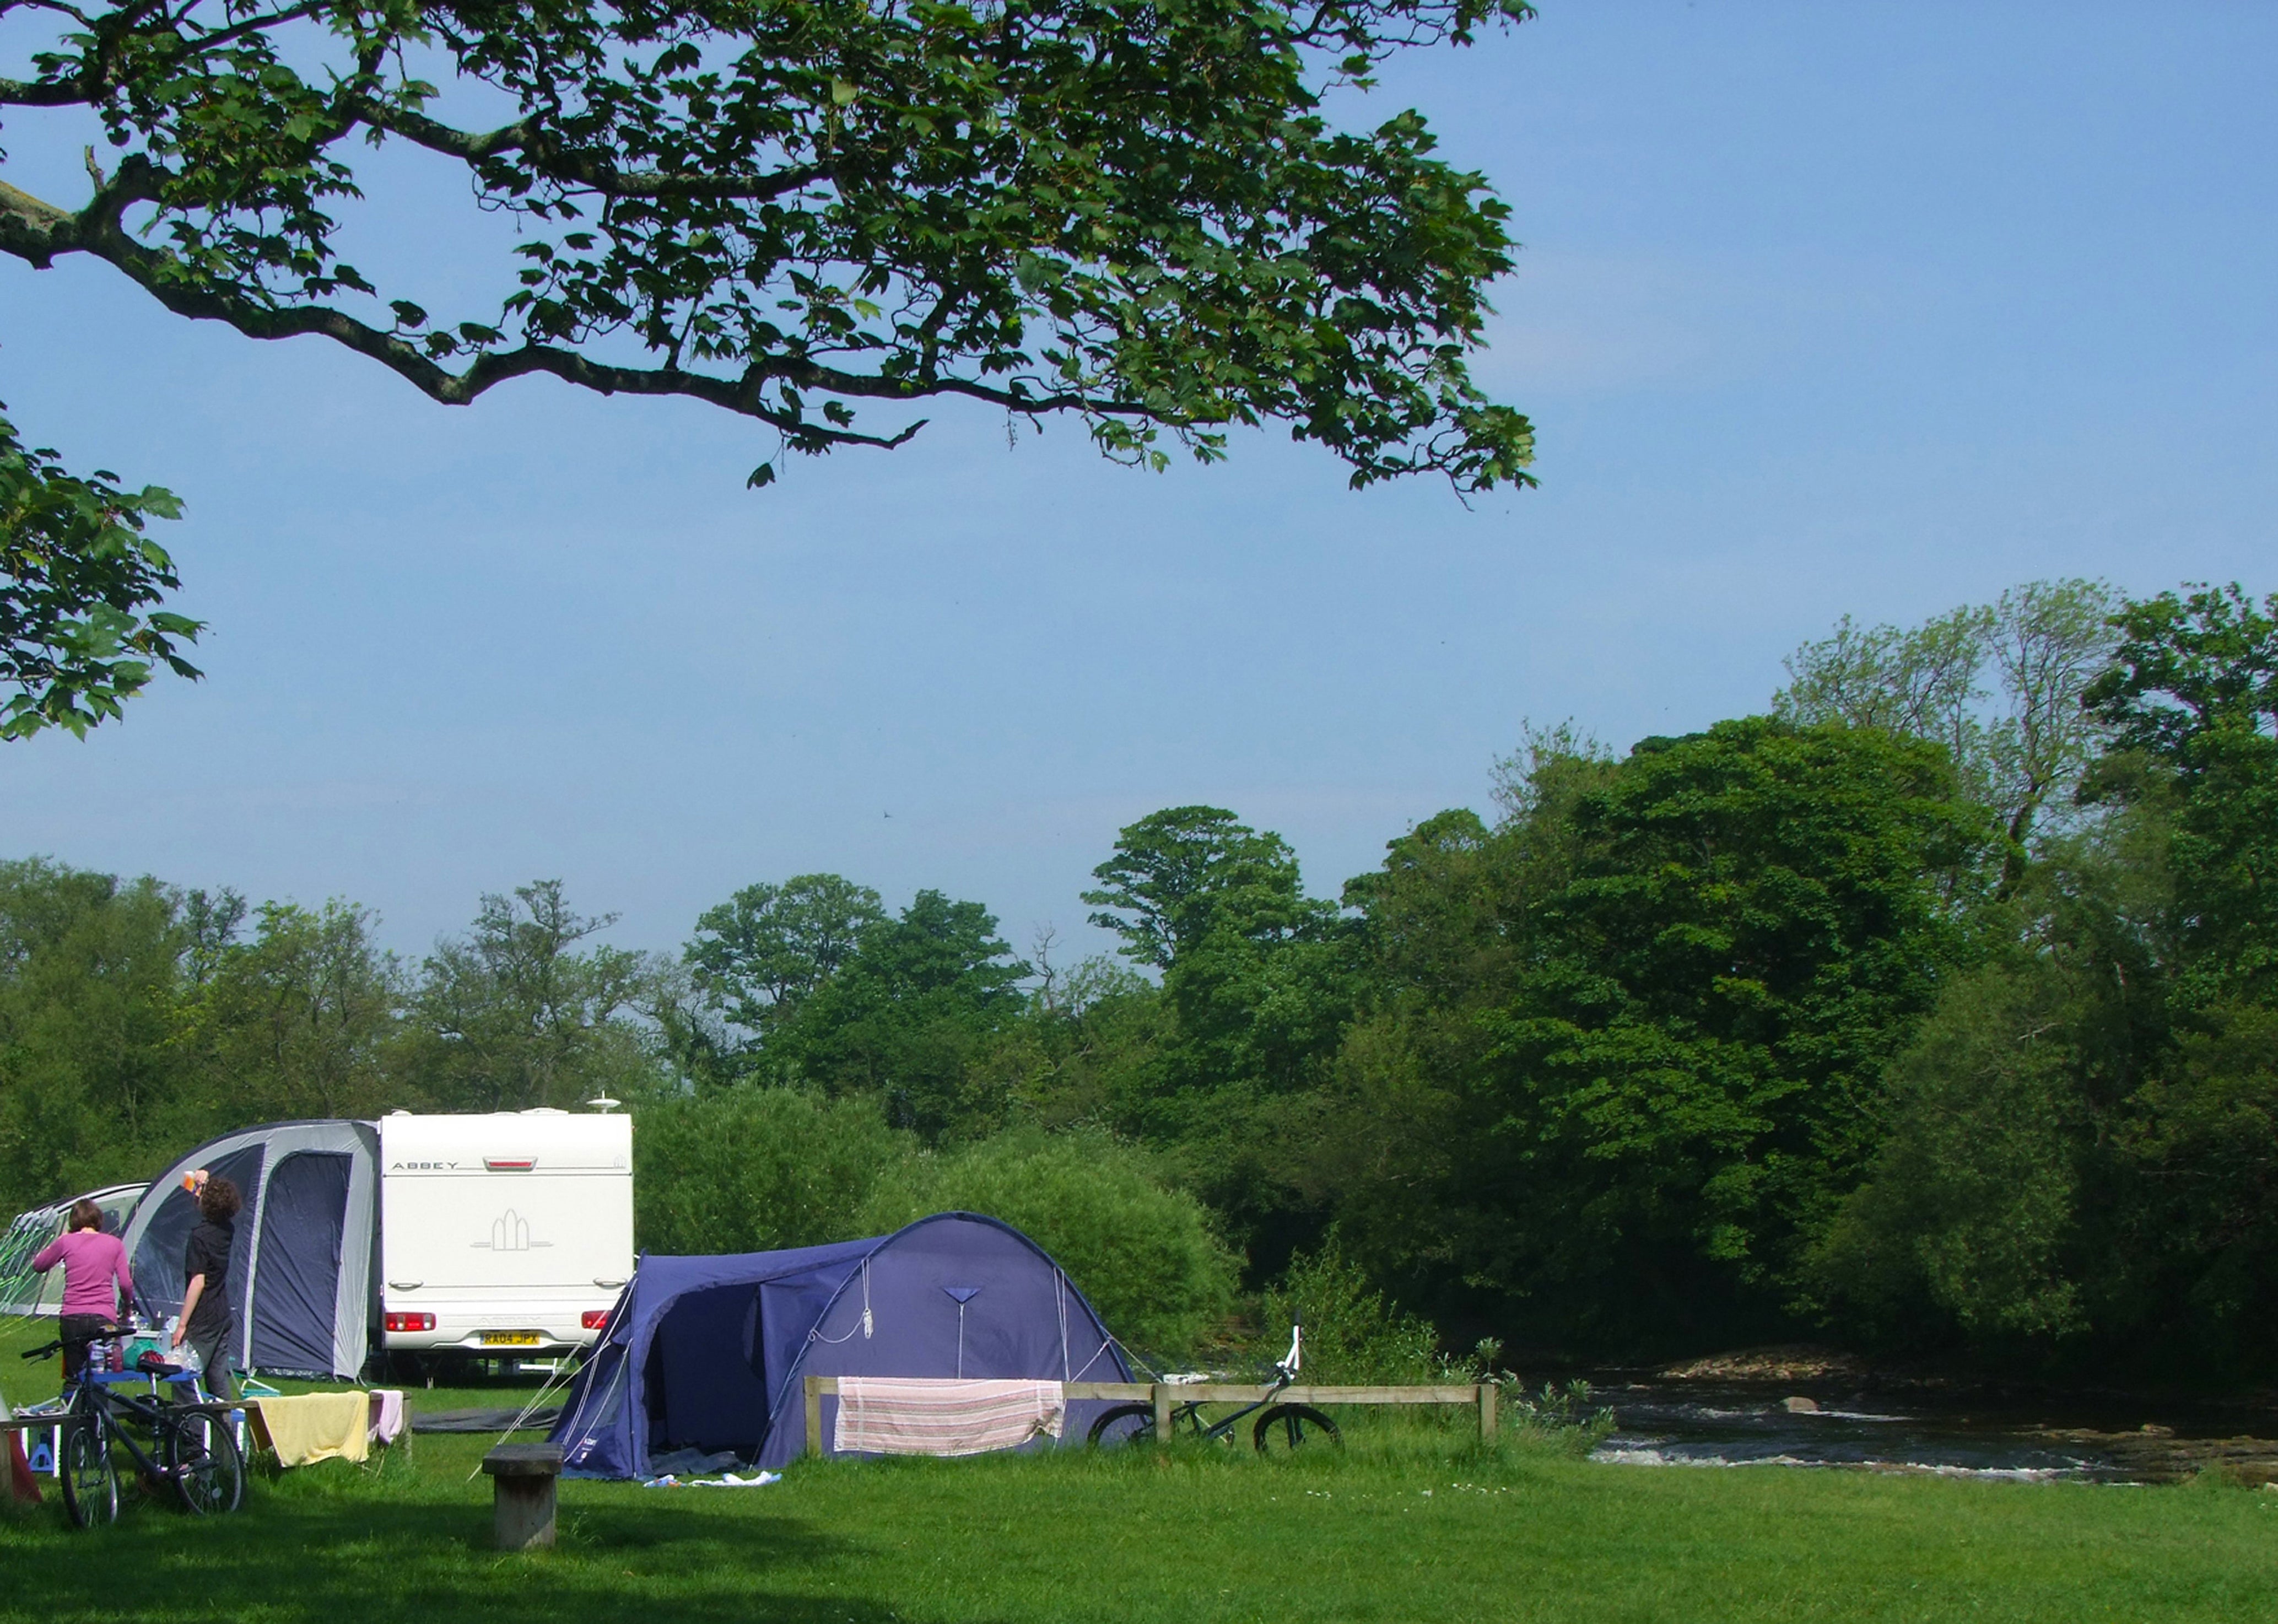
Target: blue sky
[1822,310]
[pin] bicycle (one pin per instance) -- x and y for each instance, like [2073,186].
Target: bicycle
[1282,1427]
[201,1457]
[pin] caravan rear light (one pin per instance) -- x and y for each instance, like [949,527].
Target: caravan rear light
[410,1321]
[594,1319]
[509,1164]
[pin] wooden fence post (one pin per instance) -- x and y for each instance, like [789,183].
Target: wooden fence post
[1487,1412]
[1162,1412]
[815,1414]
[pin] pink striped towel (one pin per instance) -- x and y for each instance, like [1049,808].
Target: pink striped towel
[898,1415]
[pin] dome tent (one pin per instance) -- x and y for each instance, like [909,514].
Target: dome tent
[302,1269]
[711,1352]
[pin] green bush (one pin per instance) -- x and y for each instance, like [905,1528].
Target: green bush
[1144,1255]
[752,1170]
[1352,1333]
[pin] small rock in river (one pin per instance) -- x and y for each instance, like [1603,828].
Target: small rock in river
[1803,1406]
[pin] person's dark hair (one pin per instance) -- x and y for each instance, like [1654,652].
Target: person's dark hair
[85,1214]
[218,1200]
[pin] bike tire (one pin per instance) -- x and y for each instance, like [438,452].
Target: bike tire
[1122,1424]
[88,1473]
[206,1466]
[1287,1428]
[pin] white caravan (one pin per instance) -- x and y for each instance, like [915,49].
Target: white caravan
[502,1234]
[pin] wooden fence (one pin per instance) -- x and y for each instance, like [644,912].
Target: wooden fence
[1168,1396]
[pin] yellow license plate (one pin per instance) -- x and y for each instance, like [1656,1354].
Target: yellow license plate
[511,1338]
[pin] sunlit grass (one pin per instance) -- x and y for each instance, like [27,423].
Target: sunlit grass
[1415,1520]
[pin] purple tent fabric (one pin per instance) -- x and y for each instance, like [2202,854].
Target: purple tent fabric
[710,1353]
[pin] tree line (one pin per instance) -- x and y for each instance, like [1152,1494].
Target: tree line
[1935,1009]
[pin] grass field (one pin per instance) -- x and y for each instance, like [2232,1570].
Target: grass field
[1410,1523]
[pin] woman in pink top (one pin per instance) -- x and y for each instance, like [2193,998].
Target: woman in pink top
[92,1261]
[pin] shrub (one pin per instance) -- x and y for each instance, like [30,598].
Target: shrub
[1143,1253]
[1352,1333]
[751,1169]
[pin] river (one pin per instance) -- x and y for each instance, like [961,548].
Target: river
[1748,1411]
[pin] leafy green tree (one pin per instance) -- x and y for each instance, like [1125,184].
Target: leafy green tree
[2192,695]
[1186,874]
[2023,745]
[1256,978]
[1353,1332]
[299,1020]
[78,576]
[1088,1049]
[907,1017]
[1971,1217]
[513,1014]
[1712,966]
[758,955]
[1621,1055]
[2199,1290]
[1249,961]
[91,1073]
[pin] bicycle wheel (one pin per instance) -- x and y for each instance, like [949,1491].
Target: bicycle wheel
[202,1458]
[1125,1423]
[90,1478]
[1288,1428]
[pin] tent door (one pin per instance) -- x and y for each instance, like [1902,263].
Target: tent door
[297,1289]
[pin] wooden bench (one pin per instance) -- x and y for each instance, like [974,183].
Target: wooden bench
[522,1479]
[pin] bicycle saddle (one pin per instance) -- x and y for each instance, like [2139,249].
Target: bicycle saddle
[154,1363]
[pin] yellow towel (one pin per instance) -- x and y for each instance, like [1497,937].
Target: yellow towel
[317,1426]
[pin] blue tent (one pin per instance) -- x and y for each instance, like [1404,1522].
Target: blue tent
[709,1352]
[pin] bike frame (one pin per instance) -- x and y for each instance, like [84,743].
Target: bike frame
[95,1405]
[1285,1375]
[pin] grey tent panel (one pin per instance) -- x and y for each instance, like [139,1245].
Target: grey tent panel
[160,1227]
[310,1193]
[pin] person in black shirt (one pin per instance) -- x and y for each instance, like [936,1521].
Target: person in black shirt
[205,1317]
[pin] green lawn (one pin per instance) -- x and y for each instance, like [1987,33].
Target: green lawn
[1409,1524]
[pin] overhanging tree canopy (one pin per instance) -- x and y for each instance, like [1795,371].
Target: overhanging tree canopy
[819,213]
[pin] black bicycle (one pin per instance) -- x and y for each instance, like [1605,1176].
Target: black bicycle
[190,1447]
[1282,1427]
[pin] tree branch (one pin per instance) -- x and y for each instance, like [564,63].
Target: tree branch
[42,93]
[581,169]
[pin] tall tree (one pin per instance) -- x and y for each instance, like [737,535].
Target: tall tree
[907,1015]
[1256,978]
[90,1069]
[2021,744]
[757,955]
[2193,696]
[1619,1056]
[297,1022]
[1183,875]
[512,1015]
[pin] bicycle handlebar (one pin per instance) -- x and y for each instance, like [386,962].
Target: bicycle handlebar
[57,1346]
